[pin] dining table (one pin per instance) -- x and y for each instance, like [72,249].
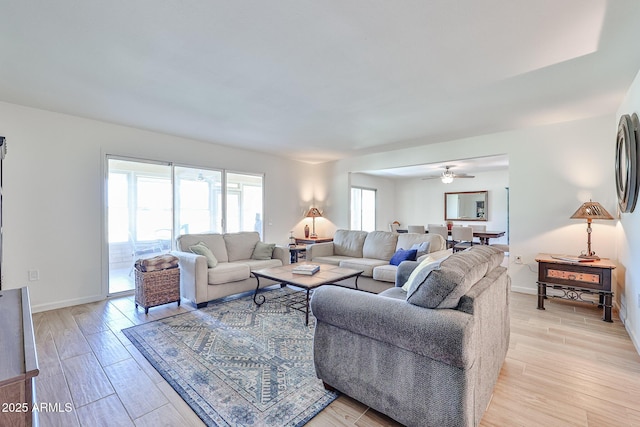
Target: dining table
[483,236]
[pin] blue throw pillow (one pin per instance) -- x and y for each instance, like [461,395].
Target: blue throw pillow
[403,255]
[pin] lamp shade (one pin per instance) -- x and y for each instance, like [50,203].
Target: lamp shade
[313,213]
[591,210]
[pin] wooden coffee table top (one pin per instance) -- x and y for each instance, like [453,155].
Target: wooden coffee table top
[328,274]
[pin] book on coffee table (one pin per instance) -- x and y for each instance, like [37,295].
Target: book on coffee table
[308,269]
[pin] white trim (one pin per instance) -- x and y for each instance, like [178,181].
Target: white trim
[66,303]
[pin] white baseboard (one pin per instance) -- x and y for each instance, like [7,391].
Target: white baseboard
[66,303]
[524,290]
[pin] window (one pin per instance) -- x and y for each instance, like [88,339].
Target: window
[363,209]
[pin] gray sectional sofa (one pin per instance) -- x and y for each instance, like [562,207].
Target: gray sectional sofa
[371,252]
[202,280]
[429,355]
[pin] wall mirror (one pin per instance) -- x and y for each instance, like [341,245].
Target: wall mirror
[466,206]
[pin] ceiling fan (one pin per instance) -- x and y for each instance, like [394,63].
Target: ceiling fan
[447,175]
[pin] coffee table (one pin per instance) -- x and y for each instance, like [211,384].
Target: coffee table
[327,275]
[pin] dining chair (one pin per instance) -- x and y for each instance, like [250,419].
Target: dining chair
[463,236]
[393,227]
[441,230]
[416,229]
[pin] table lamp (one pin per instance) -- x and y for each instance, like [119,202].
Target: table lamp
[313,213]
[590,211]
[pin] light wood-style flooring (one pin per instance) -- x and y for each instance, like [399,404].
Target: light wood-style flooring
[565,367]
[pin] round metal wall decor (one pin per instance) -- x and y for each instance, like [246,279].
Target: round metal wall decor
[626,162]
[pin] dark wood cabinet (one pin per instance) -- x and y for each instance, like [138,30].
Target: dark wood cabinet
[18,360]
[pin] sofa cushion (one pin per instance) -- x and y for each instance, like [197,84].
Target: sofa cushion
[403,255]
[349,243]
[202,249]
[443,287]
[380,245]
[228,272]
[257,264]
[365,264]
[214,241]
[263,250]
[333,259]
[385,273]
[240,245]
[395,293]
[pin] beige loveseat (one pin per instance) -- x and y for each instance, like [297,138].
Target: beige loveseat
[234,261]
[371,252]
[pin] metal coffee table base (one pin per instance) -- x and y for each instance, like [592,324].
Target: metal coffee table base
[299,300]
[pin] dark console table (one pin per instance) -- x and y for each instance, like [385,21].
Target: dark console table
[575,279]
[18,361]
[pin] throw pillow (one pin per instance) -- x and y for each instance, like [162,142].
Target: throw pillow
[445,285]
[201,249]
[263,250]
[403,255]
[422,248]
[420,274]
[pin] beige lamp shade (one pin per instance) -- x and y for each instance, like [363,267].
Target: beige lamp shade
[314,213]
[591,210]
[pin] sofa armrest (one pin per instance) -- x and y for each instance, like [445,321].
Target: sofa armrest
[319,249]
[444,335]
[193,276]
[282,253]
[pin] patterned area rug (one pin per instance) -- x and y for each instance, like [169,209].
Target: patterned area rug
[238,364]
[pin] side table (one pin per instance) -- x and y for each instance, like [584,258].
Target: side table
[575,279]
[312,240]
[297,252]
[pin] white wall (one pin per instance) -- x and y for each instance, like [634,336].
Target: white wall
[552,170]
[628,247]
[53,196]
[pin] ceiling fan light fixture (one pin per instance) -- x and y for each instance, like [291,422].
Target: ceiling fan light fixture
[447,176]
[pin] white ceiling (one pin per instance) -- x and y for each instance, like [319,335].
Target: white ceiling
[321,80]
[464,166]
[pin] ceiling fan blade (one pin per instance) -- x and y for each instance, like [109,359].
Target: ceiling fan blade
[463,176]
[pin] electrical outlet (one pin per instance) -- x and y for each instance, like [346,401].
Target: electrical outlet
[518,259]
[34,275]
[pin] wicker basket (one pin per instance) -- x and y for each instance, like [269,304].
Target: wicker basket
[157,287]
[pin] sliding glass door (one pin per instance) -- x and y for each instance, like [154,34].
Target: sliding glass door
[139,212]
[198,200]
[244,202]
[149,204]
